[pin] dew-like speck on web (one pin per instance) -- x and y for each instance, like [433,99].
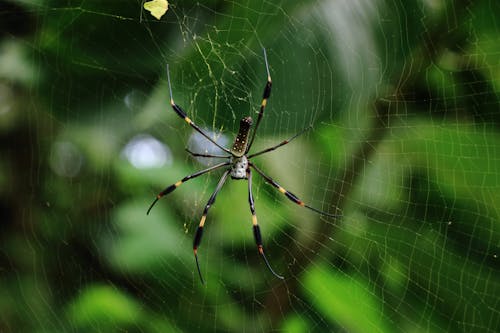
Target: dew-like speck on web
[197,143]
[145,152]
[66,159]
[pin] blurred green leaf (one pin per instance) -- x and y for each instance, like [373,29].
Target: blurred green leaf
[104,308]
[464,163]
[345,301]
[144,241]
[295,324]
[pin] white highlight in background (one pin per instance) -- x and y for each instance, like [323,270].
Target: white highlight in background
[145,152]
[66,159]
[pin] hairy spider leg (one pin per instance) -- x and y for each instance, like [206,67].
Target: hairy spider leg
[172,187]
[292,197]
[256,228]
[199,231]
[282,143]
[184,116]
[265,97]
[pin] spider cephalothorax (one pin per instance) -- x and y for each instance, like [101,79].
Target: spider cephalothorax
[238,166]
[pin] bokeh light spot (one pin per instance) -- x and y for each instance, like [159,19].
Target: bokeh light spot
[145,152]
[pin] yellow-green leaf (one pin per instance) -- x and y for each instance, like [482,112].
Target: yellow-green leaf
[157,8]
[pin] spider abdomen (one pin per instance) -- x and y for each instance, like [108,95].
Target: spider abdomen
[239,167]
[241,141]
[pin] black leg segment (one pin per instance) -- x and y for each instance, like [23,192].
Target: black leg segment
[265,97]
[172,187]
[184,116]
[256,229]
[282,143]
[292,197]
[199,231]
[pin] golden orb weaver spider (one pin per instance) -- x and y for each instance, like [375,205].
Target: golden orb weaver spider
[239,167]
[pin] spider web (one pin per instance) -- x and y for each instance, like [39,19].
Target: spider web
[405,145]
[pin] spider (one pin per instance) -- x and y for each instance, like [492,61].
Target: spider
[238,166]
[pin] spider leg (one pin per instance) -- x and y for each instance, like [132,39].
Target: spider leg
[256,228]
[184,116]
[199,231]
[172,187]
[205,155]
[292,197]
[265,97]
[282,143]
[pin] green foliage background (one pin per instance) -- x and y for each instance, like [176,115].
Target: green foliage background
[404,102]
